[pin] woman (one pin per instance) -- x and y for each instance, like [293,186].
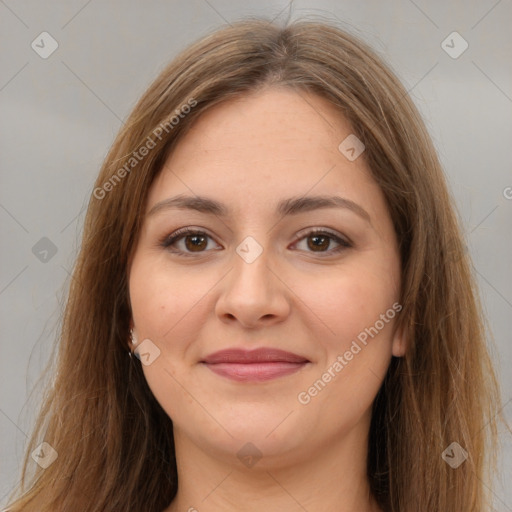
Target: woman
[272,237]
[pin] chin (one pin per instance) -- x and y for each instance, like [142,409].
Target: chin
[263,434]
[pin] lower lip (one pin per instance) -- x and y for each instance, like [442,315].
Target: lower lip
[256,372]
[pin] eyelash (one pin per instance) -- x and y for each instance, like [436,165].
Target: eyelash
[169,240]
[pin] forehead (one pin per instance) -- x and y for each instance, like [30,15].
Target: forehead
[277,119]
[264,146]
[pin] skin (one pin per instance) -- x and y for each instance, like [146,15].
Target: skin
[250,153]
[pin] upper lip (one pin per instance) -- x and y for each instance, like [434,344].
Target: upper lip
[259,355]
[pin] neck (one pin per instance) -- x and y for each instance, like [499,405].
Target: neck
[315,478]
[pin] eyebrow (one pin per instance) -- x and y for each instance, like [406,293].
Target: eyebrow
[291,206]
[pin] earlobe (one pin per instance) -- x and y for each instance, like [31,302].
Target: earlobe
[399,347]
[133,338]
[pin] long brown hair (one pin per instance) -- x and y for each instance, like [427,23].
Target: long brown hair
[114,441]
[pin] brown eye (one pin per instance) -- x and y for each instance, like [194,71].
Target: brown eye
[197,242]
[194,241]
[320,242]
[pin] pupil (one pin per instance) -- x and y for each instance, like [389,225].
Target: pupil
[194,246]
[319,237]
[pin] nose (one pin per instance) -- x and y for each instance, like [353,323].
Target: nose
[253,293]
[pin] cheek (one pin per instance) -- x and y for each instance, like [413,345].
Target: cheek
[357,350]
[161,295]
[349,301]
[164,307]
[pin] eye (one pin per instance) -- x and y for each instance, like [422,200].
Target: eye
[319,239]
[195,241]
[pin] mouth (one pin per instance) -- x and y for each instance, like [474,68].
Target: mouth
[255,365]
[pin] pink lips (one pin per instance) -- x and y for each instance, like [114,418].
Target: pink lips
[256,365]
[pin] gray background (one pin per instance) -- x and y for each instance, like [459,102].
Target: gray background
[60,115]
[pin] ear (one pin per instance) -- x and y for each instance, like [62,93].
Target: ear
[399,344]
[132,341]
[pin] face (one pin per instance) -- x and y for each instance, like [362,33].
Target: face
[261,270]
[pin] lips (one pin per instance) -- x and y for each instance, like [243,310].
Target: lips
[254,365]
[260,355]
